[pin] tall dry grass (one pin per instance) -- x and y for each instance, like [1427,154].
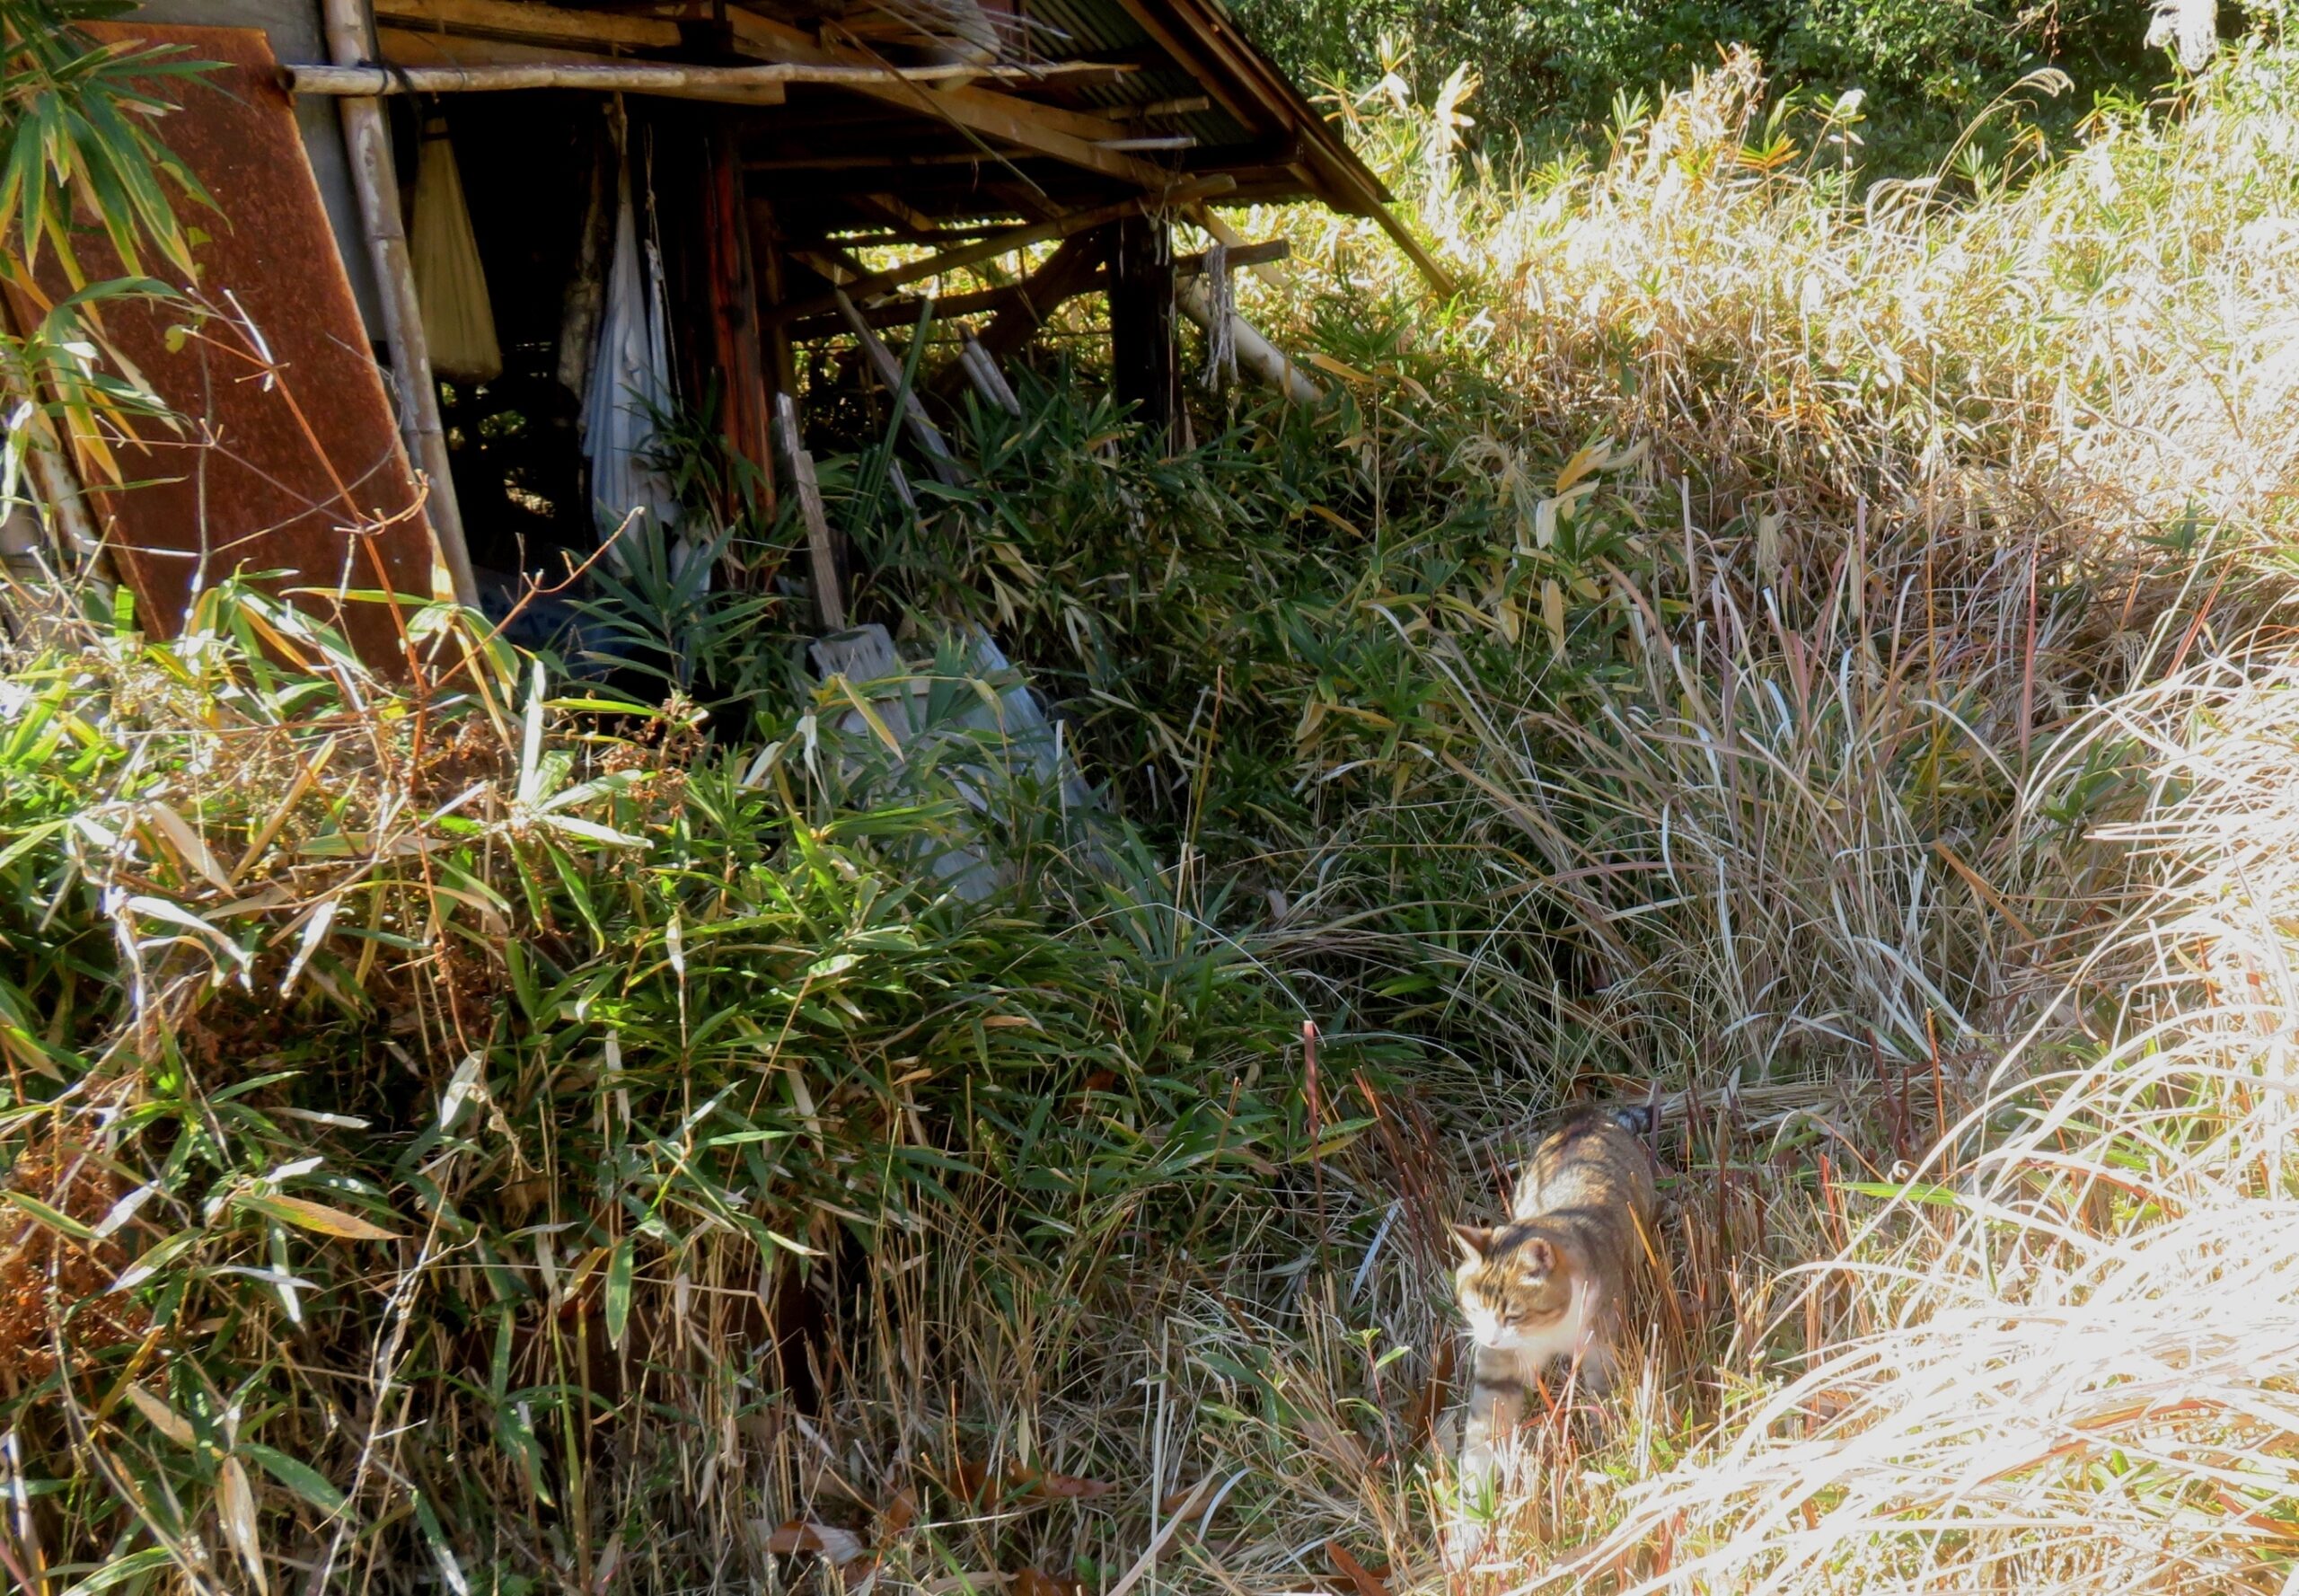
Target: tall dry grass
[1889,854]
[1936,839]
[2065,1352]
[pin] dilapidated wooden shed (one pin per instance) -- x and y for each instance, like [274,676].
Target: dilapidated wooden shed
[696,185]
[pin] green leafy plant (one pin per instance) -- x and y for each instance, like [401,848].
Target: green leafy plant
[78,136]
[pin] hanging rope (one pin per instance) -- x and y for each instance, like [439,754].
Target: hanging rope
[1221,310]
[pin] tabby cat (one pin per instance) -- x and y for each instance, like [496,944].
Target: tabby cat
[1553,1283]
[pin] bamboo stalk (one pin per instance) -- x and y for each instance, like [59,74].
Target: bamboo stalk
[367,142]
[888,371]
[54,479]
[353,79]
[1264,358]
[988,381]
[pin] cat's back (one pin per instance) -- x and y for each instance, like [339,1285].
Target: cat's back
[1591,1161]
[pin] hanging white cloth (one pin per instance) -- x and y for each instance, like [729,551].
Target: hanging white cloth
[630,387]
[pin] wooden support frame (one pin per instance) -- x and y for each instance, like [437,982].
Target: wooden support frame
[374,174]
[1068,272]
[1069,137]
[766,259]
[745,415]
[1144,368]
[514,19]
[1002,243]
[829,596]
[1214,55]
[915,421]
[903,312]
[1238,80]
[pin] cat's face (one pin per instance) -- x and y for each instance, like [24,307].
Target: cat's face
[1513,1297]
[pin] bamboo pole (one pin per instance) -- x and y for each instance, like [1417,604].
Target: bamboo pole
[888,371]
[1256,353]
[762,84]
[988,381]
[367,142]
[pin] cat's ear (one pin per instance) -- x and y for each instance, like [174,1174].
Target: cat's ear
[1476,1243]
[1541,1258]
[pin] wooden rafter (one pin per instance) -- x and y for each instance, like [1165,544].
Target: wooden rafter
[1069,137]
[904,313]
[1003,244]
[550,24]
[1217,56]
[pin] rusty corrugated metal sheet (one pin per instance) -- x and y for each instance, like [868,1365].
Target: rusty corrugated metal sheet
[304,474]
[1064,28]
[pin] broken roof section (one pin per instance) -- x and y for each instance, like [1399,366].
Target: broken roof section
[1068,103]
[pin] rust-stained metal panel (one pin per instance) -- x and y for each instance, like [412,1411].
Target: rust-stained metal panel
[300,471]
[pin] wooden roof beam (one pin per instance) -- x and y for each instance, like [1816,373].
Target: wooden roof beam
[904,313]
[1002,243]
[1069,137]
[552,24]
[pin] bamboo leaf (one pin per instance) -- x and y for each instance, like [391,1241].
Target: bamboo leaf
[619,1293]
[161,1418]
[133,1565]
[450,1569]
[308,1215]
[235,1506]
[63,1224]
[298,1476]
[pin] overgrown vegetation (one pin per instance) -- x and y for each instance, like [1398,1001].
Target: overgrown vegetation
[1557,74]
[1817,652]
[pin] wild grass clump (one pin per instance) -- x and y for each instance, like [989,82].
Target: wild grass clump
[1786,742]
[2067,1359]
[439,1113]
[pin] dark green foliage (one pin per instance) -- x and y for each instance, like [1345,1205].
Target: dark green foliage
[1553,71]
[667,1012]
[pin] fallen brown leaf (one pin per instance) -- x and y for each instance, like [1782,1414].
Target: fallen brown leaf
[969,1480]
[899,1515]
[1421,1418]
[1034,1581]
[805,1535]
[1366,1582]
[1062,1487]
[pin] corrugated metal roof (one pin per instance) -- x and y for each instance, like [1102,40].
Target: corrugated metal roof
[1070,29]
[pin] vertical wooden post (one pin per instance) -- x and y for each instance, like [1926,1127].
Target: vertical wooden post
[766,256]
[829,597]
[366,139]
[745,414]
[1142,323]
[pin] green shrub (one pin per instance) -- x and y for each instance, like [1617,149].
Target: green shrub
[1554,71]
